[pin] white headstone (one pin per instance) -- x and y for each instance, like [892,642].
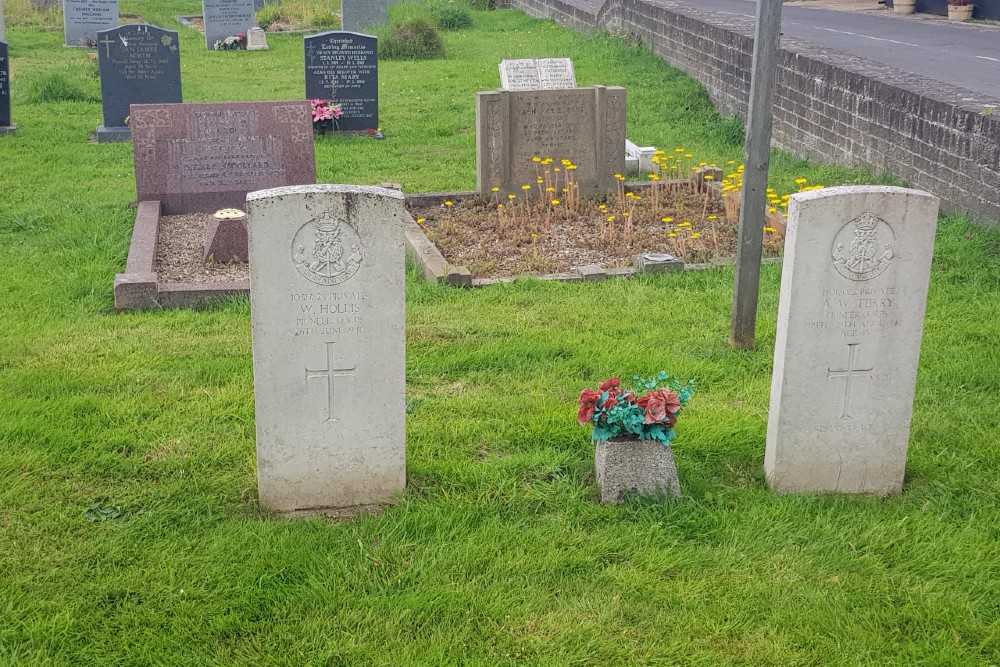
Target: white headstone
[327,311]
[256,39]
[537,74]
[850,318]
[83,19]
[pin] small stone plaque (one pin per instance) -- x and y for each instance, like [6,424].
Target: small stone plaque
[361,15]
[139,64]
[256,39]
[583,125]
[226,18]
[537,74]
[5,121]
[83,19]
[204,157]
[328,322]
[343,67]
[850,318]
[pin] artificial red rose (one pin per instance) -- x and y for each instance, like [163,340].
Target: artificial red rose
[656,408]
[642,401]
[672,400]
[588,402]
[612,399]
[610,384]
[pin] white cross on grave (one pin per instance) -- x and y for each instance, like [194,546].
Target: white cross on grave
[849,373]
[329,373]
[107,42]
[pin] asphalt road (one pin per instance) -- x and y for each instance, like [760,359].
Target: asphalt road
[964,55]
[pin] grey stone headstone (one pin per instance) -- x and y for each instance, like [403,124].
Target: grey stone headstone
[850,318]
[328,323]
[361,15]
[83,19]
[139,64]
[537,74]
[226,18]
[343,67]
[583,125]
[5,123]
[256,39]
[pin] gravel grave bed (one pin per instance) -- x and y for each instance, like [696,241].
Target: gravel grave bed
[180,249]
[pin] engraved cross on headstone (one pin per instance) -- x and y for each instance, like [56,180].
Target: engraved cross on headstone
[107,42]
[311,52]
[849,373]
[330,372]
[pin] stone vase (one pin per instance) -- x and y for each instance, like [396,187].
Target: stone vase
[960,12]
[642,467]
[904,6]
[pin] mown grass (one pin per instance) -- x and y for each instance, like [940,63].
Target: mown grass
[497,553]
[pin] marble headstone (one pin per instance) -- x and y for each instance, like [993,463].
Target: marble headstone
[83,19]
[537,74]
[850,319]
[6,125]
[327,317]
[139,64]
[361,15]
[583,125]
[343,67]
[226,18]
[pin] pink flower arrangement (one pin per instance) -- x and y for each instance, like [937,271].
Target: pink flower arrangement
[322,111]
[648,412]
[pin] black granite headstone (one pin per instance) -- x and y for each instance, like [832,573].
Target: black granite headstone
[5,124]
[342,67]
[139,64]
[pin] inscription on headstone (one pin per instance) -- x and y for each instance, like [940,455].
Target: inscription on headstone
[226,18]
[537,74]
[5,122]
[139,64]
[205,157]
[83,19]
[584,125]
[327,316]
[361,15]
[343,67]
[850,318]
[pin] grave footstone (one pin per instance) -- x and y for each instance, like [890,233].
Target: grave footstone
[139,64]
[537,74]
[327,316]
[583,125]
[342,67]
[850,318]
[6,126]
[226,18]
[362,15]
[83,19]
[256,39]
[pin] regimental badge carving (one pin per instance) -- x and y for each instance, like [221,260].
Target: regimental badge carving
[327,251]
[864,247]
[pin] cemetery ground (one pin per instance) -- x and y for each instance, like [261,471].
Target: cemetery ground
[129,526]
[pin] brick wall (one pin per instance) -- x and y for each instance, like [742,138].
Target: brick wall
[829,106]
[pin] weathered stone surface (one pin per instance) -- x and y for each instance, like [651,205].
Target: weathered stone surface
[537,74]
[342,67]
[226,237]
[226,18]
[850,318]
[642,467]
[256,39]
[204,157]
[83,19]
[361,15]
[327,298]
[584,125]
[5,121]
[139,64]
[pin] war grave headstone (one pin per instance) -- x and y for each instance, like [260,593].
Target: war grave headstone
[584,125]
[850,319]
[202,158]
[139,64]
[83,19]
[537,74]
[226,18]
[360,15]
[328,325]
[6,126]
[342,67]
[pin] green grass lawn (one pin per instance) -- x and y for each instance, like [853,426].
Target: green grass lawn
[497,553]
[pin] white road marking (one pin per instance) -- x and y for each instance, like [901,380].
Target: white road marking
[996,60]
[878,39]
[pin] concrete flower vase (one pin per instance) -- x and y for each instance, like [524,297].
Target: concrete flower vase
[960,12]
[642,467]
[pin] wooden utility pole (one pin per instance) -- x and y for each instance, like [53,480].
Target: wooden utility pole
[756,155]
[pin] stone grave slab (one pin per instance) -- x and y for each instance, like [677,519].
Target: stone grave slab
[361,15]
[343,67]
[139,64]
[6,125]
[328,324]
[256,39]
[83,19]
[584,125]
[226,18]
[850,319]
[537,74]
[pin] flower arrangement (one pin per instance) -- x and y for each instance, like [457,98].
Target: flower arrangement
[325,115]
[237,42]
[647,412]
